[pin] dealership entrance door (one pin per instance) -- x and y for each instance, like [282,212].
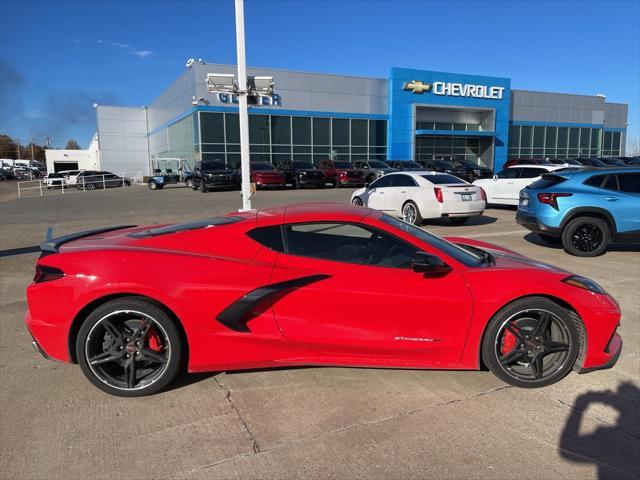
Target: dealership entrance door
[440,147]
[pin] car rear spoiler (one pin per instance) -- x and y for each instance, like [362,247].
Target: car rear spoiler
[52,245]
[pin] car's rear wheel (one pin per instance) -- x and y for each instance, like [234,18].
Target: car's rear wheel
[532,342]
[90,186]
[129,347]
[357,201]
[586,236]
[411,214]
[459,220]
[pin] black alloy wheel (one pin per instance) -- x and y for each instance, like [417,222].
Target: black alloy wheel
[586,236]
[129,347]
[533,342]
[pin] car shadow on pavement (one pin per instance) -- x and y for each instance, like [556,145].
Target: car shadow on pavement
[473,221]
[613,448]
[614,247]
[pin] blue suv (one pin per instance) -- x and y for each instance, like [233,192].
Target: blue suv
[583,209]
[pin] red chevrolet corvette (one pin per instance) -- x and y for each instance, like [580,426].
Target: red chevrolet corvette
[314,284]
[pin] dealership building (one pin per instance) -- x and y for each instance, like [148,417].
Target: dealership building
[412,115]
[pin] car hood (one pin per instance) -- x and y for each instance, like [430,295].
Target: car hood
[505,258]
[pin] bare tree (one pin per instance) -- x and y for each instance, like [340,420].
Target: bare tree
[633,146]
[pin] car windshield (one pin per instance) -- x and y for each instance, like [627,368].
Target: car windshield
[262,166]
[213,165]
[410,165]
[342,165]
[443,164]
[377,164]
[442,179]
[451,249]
[596,163]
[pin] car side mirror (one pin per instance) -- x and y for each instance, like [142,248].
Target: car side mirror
[430,265]
[367,186]
[495,177]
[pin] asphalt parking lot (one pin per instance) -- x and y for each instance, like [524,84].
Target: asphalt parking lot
[305,422]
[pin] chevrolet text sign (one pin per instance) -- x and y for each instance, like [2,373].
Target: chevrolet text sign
[455,89]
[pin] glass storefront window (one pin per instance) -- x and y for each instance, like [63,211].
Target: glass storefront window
[280,129]
[359,132]
[259,129]
[212,125]
[301,130]
[378,133]
[526,137]
[322,131]
[550,141]
[563,137]
[233,127]
[340,131]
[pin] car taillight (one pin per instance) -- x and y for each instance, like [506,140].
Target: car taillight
[551,198]
[483,194]
[438,192]
[46,274]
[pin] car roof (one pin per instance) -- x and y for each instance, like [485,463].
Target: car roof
[549,166]
[603,171]
[313,212]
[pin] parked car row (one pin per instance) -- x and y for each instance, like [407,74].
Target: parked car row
[299,174]
[597,162]
[85,179]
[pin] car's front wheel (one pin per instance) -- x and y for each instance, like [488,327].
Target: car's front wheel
[357,201]
[189,183]
[586,236]
[532,342]
[129,347]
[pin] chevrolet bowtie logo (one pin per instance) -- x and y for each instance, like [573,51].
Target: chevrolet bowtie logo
[417,86]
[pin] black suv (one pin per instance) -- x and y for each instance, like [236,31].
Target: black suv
[210,174]
[446,166]
[473,171]
[302,174]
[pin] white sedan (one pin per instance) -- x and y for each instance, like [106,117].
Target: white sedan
[414,196]
[504,188]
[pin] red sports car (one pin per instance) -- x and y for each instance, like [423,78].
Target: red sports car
[309,284]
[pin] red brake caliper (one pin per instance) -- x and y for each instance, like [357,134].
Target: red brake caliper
[154,340]
[509,341]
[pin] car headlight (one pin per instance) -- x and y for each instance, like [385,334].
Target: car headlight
[585,283]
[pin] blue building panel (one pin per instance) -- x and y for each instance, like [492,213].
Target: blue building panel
[441,89]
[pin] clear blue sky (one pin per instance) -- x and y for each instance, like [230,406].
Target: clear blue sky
[58,58]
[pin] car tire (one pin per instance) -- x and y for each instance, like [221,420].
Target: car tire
[90,186]
[194,186]
[102,357]
[586,236]
[357,201]
[516,347]
[189,183]
[459,220]
[550,239]
[411,213]
[152,185]
[203,187]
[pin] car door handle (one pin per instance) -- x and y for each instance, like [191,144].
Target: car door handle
[612,199]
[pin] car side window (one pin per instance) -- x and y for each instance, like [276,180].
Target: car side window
[348,243]
[595,181]
[402,181]
[270,237]
[629,182]
[382,182]
[611,183]
[509,173]
[531,172]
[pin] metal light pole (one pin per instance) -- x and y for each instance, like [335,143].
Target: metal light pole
[243,108]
